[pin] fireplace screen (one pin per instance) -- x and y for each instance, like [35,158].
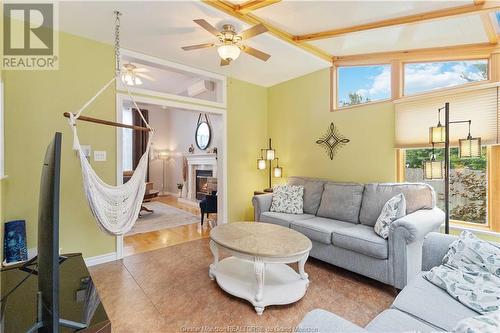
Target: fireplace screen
[205,183]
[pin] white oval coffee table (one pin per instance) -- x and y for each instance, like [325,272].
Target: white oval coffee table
[257,269]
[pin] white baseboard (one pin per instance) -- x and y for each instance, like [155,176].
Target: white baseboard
[102,259]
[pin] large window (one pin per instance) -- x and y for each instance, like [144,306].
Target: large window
[468,183]
[363,84]
[427,76]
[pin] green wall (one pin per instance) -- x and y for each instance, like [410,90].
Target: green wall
[299,114]
[34,103]
[246,133]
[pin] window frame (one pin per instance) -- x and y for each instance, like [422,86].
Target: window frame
[334,76]
[397,76]
[493,189]
[423,93]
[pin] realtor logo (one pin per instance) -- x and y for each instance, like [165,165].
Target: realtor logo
[29,36]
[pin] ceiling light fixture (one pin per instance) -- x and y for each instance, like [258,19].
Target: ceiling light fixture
[229,52]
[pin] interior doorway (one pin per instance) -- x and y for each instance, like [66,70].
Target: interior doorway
[181,173]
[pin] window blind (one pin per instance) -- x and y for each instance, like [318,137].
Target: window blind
[416,115]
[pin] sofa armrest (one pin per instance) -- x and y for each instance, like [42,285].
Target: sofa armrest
[418,224]
[261,203]
[435,247]
[321,321]
[406,237]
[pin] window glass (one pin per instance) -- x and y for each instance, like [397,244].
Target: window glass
[362,84]
[427,76]
[468,183]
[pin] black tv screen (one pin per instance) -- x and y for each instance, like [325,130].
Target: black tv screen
[48,235]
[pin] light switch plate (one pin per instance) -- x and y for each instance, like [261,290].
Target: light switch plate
[99,155]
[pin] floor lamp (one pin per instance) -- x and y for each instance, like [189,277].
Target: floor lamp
[163,156]
[433,169]
[267,156]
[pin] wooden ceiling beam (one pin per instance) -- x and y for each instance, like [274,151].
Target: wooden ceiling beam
[252,5]
[483,7]
[489,28]
[460,52]
[231,9]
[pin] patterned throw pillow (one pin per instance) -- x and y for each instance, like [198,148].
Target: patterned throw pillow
[489,323]
[288,199]
[393,209]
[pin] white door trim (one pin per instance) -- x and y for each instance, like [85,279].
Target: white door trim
[121,97]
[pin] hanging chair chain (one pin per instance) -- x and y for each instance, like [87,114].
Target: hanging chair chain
[117,42]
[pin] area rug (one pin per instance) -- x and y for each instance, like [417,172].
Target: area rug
[164,217]
[168,290]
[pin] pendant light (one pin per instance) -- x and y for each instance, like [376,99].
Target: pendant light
[437,134]
[277,170]
[433,169]
[469,147]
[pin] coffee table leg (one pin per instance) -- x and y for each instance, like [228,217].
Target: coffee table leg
[260,271]
[302,272]
[215,253]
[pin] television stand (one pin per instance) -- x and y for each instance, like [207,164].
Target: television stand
[62,322]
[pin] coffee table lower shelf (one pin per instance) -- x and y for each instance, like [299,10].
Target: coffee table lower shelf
[282,285]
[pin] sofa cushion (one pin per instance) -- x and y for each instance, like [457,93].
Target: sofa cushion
[418,196]
[393,320]
[283,219]
[313,189]
[424,300]
[341,202]
[319,229]
[362,239]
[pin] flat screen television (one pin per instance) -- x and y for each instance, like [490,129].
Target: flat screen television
[48,260]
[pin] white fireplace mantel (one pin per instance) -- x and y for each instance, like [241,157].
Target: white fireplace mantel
[199,162]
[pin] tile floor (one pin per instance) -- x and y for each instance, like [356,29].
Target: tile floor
[168,290]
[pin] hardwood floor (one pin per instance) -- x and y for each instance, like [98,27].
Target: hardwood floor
[162,238]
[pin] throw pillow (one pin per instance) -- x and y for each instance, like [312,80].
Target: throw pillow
[471,254]
[470,273]
[489,323]
[394,208]
[288,199]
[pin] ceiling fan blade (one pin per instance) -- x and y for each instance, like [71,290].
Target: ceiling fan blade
[207,26]
[195,47]
[256,53]
[144,76]
[253,31]
[224,62]
[141,70]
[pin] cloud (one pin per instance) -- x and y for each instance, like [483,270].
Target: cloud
[424,77]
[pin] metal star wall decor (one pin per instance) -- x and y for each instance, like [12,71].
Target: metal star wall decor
[332,141]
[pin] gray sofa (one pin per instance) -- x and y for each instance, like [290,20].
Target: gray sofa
[420,306]
[339,220]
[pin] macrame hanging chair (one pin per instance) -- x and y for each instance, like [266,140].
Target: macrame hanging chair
[115,208]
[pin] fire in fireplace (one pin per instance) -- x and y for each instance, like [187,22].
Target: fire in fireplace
[204,183]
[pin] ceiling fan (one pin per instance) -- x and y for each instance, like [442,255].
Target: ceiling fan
[229,46]
[131,74]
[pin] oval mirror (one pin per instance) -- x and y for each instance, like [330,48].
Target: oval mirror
[203,135]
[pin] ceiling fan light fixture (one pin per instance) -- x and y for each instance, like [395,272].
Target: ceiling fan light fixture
[131,79]
[229,52]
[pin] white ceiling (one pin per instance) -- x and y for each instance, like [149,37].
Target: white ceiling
[308,16]
[160,28]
